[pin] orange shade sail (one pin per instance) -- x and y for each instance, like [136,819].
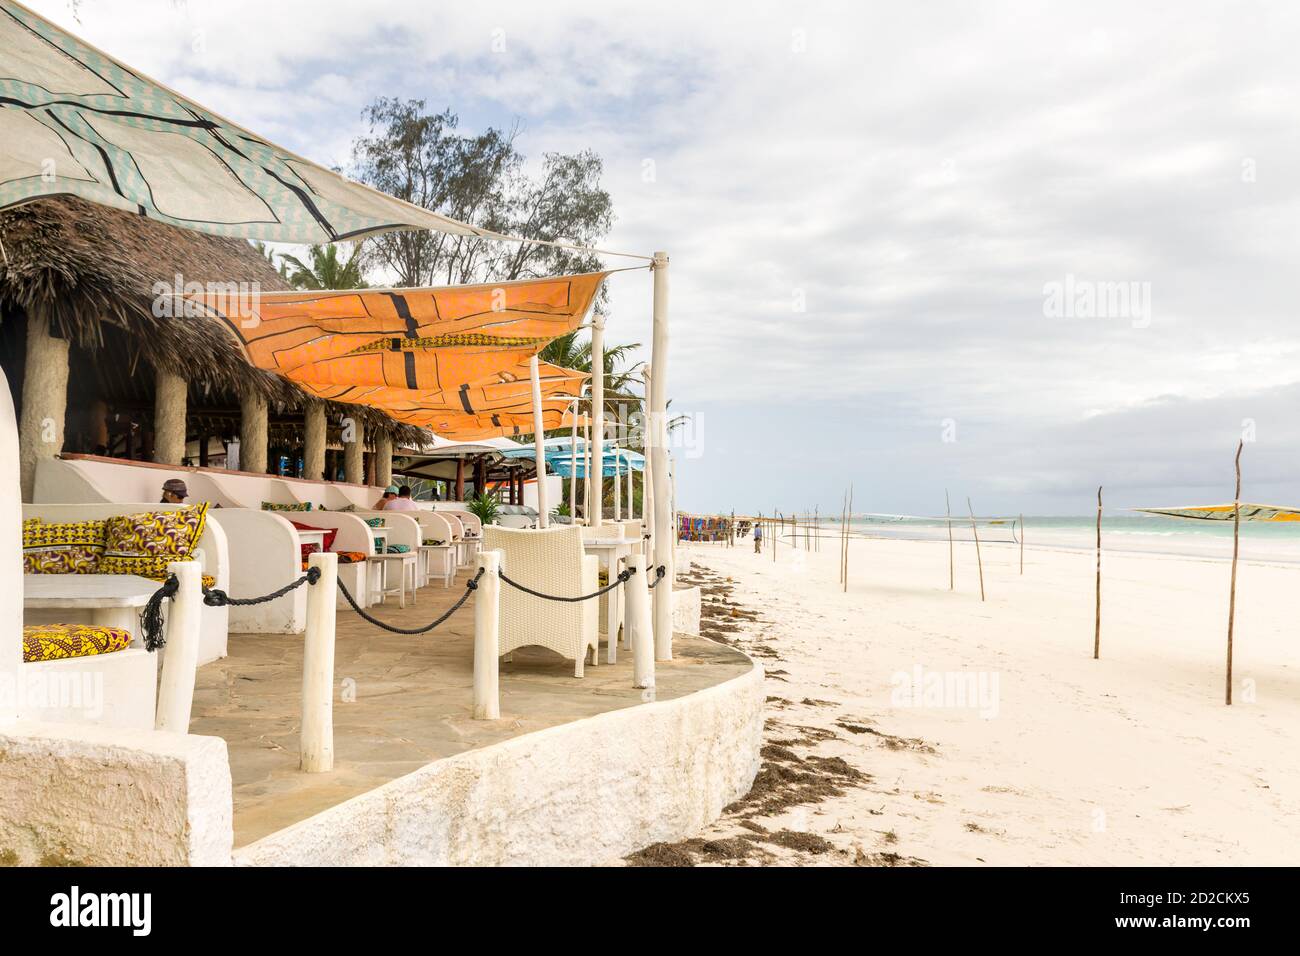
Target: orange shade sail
[504,390]
[435,339]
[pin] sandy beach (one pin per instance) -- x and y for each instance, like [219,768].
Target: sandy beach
[1035,753]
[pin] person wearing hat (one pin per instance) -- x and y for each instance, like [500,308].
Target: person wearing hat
[389,494]
[174,492]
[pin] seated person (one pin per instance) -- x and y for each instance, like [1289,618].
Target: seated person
[174,492]
[389,494]
[403,501]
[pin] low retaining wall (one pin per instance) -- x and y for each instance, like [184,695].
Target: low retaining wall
[686,610]
[97,796]
[578,794]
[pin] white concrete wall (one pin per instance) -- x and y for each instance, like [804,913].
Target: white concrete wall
[686,610]
[85,480]
[577,794]
[109,690]
[97,796]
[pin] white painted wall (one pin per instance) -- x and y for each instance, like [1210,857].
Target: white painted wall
[554,490]
[11,558]
[578,794]
[100,796]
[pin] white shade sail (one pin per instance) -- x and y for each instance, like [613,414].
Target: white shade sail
[73,120]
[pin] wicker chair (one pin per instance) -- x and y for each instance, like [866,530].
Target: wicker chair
[551,561]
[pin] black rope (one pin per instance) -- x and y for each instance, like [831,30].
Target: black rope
[215,597]
[620,579]
[659,576]
[470,587]
[151,621]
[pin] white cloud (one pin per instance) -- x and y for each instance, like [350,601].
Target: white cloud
[918,172]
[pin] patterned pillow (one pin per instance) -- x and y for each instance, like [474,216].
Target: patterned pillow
[434,541]
[300,506]
[351,557]
[374,522]
[399,549]
[71,547]
[145,543]
[54,642]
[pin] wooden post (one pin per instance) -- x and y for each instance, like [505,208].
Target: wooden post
[638,624]
[539,448]
[978,560]
[252,432]
[848,534]
[1232,589]
[313,451]
[45,398]
[952,574]
[487,638]
[1022,544]
[1096,634]
[170,393]
[460,479]
[316,746]
[181,653]
[383,458]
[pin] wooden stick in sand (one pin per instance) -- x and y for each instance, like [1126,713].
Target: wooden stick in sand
[846,541]
[1096,638]
[978,559]
[1022,544]
[844,523]
[1232,590]
[948,508]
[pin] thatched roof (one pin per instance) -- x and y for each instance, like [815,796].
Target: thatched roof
[90,265]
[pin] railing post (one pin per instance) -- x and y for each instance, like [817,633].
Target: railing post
[181,653]
[487,638]
[316,747]
[637,622]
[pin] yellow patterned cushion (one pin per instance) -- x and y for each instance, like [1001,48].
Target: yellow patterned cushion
[53,642]
[272,506]
[68,547]
[145,543]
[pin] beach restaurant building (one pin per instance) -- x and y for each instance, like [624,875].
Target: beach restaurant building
[264,668]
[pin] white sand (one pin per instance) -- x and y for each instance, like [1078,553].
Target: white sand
[1133,759]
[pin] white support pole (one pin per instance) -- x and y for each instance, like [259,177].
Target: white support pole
[598,417]
[539,451]
[573,466]
[316,747]
[487,638]
[630,512]
[586,466]
[637,624]
[647,483]
[663,544]
[618,484]
[181,654]
[11,558]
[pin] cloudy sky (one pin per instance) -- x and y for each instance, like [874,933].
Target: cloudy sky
[1008,249]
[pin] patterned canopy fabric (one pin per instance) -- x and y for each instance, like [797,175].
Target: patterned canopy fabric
[454,353]
[556,413]
[505,390]
[74,120]
[1249,512]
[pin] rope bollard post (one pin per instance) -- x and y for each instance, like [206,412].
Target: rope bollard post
[176,686]
[316,746]
[487,637]
[639,624]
